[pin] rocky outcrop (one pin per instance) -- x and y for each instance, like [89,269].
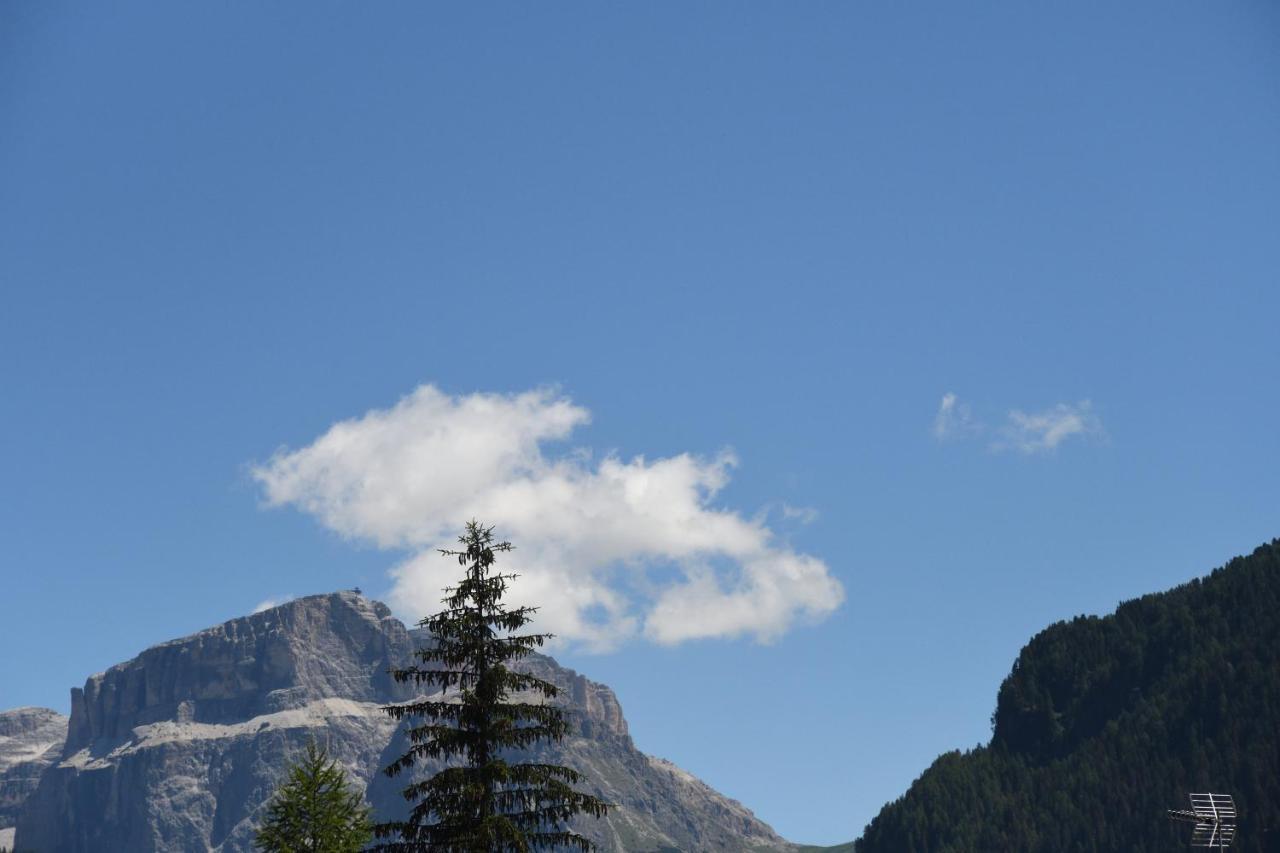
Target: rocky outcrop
[180,748]
[30,740]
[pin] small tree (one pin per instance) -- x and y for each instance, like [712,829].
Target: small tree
[484,804]
[315,811]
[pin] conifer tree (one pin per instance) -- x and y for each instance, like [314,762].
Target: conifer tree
[315,811]
[482,803]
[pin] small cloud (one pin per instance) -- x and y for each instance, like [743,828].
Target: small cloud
[271,602]
[802,514]
[1042,432]
[954,419]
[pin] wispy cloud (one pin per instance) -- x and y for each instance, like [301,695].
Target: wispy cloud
[269,603]
[608,550]
[1043,431]
[1024,432]
[954,419]
[802,514]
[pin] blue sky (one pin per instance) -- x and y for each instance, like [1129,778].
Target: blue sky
[777,230]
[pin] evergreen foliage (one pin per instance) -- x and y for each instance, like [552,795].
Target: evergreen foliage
[1104,723]
[487,803]
[315,811]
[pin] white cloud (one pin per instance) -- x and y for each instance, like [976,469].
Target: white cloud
[269,603]
[608,550]
[1042,432]
[954,419]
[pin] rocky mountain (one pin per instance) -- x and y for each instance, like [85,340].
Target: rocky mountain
[31,740]
[180,748]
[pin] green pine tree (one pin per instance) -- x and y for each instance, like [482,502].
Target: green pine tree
[483,804]
[315,811]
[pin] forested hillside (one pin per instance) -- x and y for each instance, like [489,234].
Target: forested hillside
[1105,723]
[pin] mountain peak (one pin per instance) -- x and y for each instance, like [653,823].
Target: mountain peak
[181,747]
[336,644]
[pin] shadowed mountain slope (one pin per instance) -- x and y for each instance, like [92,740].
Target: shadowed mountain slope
[1104,723]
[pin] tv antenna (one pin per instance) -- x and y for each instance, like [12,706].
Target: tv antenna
[1215,818]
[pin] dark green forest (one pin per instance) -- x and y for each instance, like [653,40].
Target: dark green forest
[1106,722]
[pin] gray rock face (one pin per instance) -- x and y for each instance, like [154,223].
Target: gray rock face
[31,739]
[181,748]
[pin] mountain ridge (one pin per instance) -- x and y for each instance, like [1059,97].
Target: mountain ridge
[180,747]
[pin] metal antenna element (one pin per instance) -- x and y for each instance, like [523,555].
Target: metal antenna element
[1214,816]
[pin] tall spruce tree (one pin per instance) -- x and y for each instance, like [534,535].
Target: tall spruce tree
[315,811]
[484,803]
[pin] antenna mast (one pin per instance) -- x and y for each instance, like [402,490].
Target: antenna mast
[1214,816]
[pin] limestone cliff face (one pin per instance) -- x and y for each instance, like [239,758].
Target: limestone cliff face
[30,740]
[308,650]
[180,748]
